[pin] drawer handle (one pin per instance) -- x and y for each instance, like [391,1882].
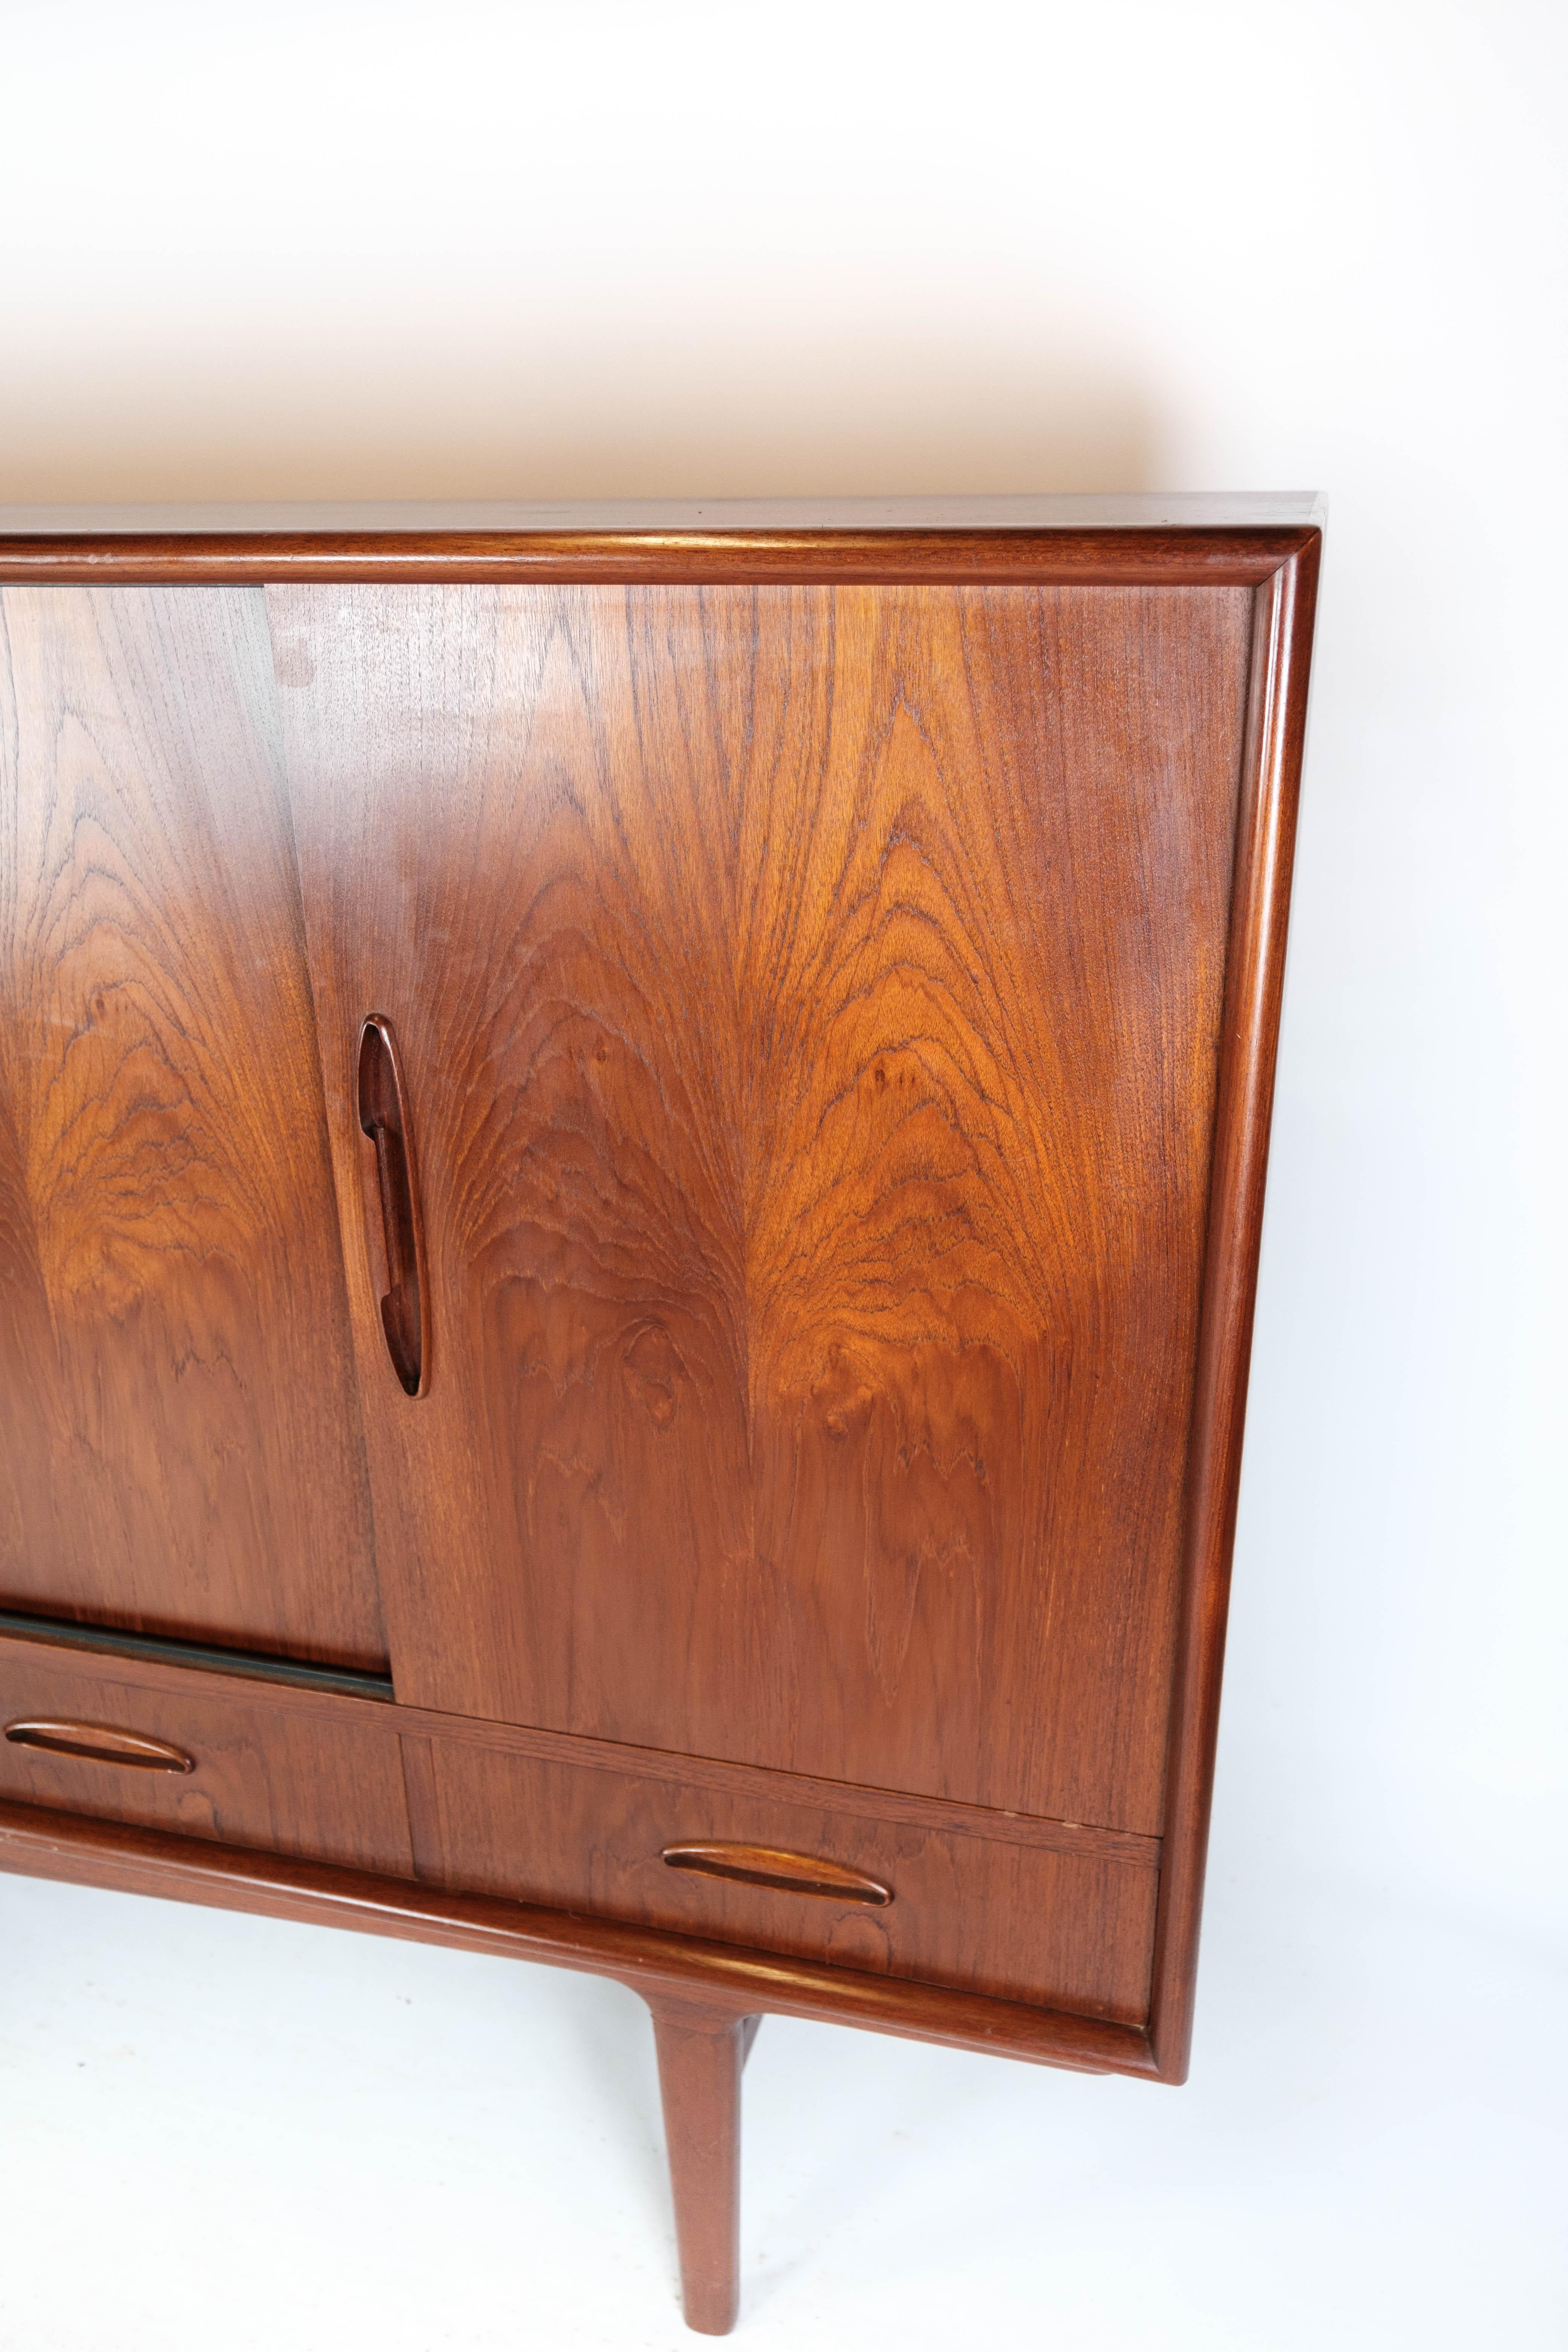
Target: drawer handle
[383,1116]
[792,1873]
[100,1745]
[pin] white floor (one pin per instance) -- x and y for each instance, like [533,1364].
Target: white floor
[222,2132]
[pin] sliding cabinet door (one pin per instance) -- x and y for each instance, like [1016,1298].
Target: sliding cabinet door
[808,1004]
[179,1439]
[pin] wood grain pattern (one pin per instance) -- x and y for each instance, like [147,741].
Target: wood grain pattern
[259,1777]
[1008,1921]
[88,1852]
[183,1450]
[810,1006]
[1080,1839]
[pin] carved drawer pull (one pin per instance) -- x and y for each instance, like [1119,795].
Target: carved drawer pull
[792,1873]
[100,1745]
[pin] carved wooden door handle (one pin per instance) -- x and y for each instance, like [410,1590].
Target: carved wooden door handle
[100,1743]
[792,1873]
[383,1119]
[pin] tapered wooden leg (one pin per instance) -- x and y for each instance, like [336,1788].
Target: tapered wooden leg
[700,2055]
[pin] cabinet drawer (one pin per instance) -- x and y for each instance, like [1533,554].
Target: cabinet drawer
[128,1744]
[787,1875]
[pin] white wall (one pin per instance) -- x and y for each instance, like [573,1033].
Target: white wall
[417,250]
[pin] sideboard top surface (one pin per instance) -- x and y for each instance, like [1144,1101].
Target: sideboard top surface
[1295,511]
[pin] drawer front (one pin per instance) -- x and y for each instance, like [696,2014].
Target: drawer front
[95,1739]
[940,1905]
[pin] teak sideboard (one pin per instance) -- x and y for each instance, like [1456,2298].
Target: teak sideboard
[631,1153]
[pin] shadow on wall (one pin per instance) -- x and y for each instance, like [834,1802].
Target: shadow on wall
[661,380]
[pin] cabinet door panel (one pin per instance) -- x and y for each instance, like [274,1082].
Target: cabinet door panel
[809,1001]
[181,1450]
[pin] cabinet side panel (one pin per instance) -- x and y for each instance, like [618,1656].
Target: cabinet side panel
[1283,620]
[182,1451]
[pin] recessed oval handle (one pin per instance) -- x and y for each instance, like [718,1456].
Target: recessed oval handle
[383,1106]
[792,1873]
[100,1743]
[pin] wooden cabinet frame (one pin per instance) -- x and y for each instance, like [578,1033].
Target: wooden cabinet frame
[696,1987]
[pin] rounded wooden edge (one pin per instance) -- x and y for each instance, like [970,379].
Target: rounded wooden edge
[1142,555]
[38,1842]
[1283,618]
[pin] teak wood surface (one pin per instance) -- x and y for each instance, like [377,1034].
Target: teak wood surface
[701,2054]
[181,1449]
[596,1843]
[809,1003]
[750,1357]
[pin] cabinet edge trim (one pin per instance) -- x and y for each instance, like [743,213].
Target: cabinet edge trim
[1174,556]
